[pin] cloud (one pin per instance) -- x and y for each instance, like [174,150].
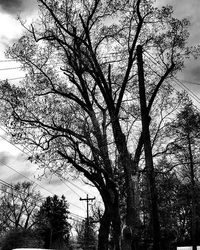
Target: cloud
[194,72]
[14,7]
[191,72]
[11,6]
[190,10]
[52,180]
[4,158]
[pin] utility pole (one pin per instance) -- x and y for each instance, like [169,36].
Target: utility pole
[87,199]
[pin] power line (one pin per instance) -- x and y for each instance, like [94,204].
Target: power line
[188,90]
[36,170]
[176,80]
[4,191]
[12,143]
[31,179]
[20,67]
[28,155]
[69,187]
[76,215]
[196,83]
[25,152]
[8,60]
[81,189]
[78,218]
[13,79]
[16,196]
[4,183]
[13,68]
[25,176]
[37,183]
[53,173]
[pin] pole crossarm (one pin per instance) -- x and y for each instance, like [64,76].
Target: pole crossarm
[87,199]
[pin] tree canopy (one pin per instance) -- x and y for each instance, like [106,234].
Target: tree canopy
[78,106]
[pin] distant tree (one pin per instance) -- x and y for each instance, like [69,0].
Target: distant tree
[168,185]
[52,224]
[18,205]
[186,132]
[185,213]
[96,210]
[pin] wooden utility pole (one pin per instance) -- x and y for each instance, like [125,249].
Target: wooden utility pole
[87,199]
[148,151]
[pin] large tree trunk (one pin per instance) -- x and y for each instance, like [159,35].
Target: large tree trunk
[104,230]
[148,152]
[131,217]
[111,218]
[116,223]
[127,164]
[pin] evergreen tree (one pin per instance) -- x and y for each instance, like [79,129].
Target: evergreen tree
[51,222]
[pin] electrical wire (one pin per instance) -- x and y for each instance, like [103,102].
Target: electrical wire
[5,183]
[14,195]
[70,188]
[12,68]
[176,80]
[25,176]
[8,60]
[22,150]
[12,143]
[13,79]
[196,83]
[37,184]
[54,174]
[78,217]
[41,199]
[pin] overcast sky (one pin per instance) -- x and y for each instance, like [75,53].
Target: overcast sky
[13,164]
[10,30]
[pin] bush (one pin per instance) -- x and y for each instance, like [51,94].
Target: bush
[18,238]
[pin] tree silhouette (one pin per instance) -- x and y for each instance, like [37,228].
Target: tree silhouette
[79,100]
[185,147]
[52,224]
[18,205]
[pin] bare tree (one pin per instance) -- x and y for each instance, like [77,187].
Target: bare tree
[81,92]
[18,204]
